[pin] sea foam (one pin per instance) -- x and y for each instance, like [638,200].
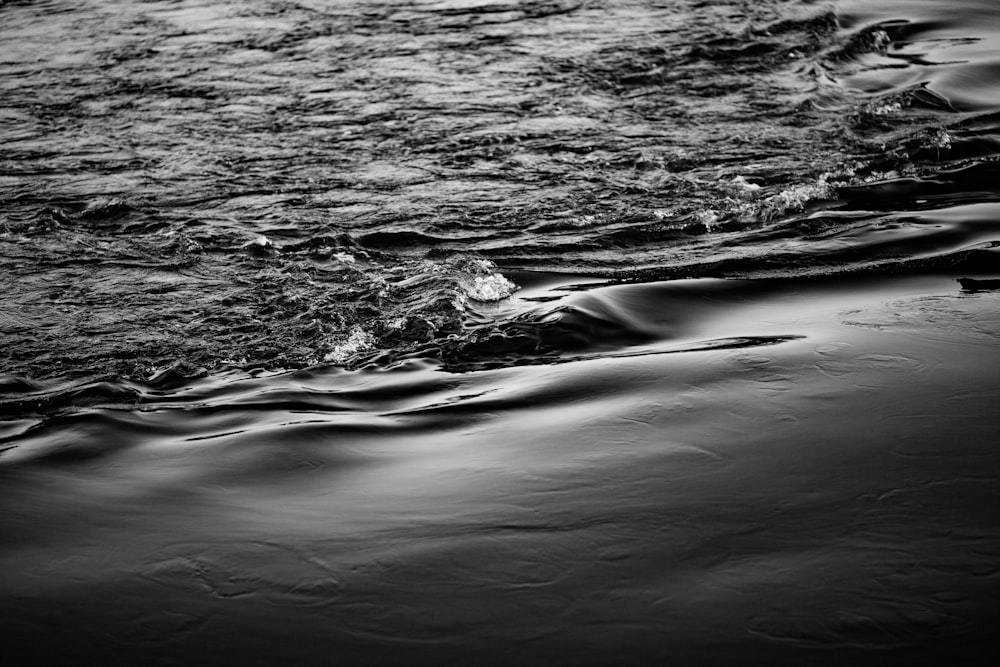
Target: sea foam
[356,342]
[480,281]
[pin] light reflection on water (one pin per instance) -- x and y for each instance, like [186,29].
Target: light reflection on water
[777,470]
[830,493]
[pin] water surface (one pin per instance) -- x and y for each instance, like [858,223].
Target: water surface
[542,333]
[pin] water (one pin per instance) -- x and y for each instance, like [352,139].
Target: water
[555,333]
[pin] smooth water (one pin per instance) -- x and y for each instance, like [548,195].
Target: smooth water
[535,333]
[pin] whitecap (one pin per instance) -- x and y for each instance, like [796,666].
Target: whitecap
[883,108]
[480,281]
[495,287]
[940,139]
[796,197]
[356,342]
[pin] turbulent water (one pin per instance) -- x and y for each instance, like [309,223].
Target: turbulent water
[528,332]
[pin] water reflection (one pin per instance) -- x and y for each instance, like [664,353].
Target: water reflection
[698,504]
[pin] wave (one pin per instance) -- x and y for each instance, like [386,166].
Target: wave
[784,139]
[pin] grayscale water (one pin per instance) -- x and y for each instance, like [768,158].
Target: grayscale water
[499,333]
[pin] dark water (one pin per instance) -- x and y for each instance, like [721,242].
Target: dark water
[541,333]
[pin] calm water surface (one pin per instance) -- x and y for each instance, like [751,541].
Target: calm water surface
[534,333]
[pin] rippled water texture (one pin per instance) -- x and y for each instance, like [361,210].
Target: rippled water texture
[273,184]
[513,333]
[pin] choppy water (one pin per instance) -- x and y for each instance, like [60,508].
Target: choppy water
[556,333]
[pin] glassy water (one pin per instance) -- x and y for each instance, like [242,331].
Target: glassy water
[542,333]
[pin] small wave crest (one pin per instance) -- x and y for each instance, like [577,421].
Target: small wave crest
[415,303]
[354,343]
[428,301]
[744,201]
[481,281]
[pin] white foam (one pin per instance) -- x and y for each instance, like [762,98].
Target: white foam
[796,197]
[884,109]
[877,176]
[494,287]
[941,139]
[482,282]
[356,342]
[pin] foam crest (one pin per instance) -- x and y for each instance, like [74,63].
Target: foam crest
[480,281]
[748,201]
[356,342]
